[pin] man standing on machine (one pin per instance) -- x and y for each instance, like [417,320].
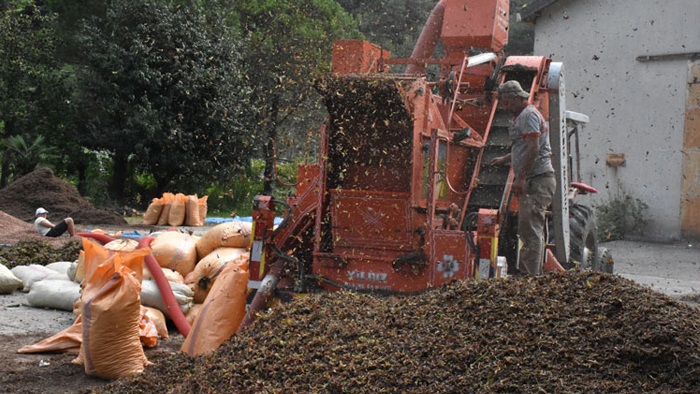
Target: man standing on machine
[534,181]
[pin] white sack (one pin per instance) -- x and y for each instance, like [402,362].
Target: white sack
[150,296]
[30,274]
[8,281]
[55,294]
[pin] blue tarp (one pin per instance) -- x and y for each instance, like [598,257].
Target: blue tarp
[247,219]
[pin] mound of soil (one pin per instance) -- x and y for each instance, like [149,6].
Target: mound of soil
[41,188]
[572,332]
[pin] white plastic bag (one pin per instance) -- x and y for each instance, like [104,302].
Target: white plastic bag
[30,274]
[151,296]
[61,267]
[55,294]
[8,281]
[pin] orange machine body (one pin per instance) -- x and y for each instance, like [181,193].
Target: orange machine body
[402,198]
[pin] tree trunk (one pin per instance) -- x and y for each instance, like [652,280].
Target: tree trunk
[4,171]
[269,173]
[81,168]
[119,173]
[5,166]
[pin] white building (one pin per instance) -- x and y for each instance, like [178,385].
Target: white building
[633,66]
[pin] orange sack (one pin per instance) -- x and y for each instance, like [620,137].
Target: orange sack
[175,250]
[203,208]
[208,269]
[193,313]
[229,234]
[222,312]
[153,212]
[165,212]
[178,210]
[111,346]
[192,209]
[72,337]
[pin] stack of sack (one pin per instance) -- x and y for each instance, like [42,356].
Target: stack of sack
[176,210]
[208,276]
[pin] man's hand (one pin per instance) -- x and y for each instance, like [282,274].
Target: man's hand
[500,160]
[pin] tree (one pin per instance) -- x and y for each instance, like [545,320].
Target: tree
[24,156]
[33,85]
[393,24]
[162,91]
[288,45]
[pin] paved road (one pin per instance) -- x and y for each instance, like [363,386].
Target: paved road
[672,269]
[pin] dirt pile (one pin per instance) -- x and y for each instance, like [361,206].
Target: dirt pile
[41,188]
[572,332]
[13,231]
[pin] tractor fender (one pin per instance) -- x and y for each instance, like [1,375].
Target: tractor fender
[584,188]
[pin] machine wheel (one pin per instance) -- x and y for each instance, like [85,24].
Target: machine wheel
[605,261]
[583,238]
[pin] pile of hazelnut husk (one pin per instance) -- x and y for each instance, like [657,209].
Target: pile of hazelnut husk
[561,333]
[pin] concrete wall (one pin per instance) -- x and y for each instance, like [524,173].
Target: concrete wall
[636,108]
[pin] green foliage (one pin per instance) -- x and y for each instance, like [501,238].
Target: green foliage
[33,84]
[25,155]
[393,24]
[163,93]
[620,216]
[236,193]
[288,45]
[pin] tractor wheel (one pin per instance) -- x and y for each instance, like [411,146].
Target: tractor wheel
[605,260]
[583,238]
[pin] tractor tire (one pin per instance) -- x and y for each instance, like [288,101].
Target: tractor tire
[605,261]
[583,240]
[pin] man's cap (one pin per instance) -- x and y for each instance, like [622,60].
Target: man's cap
[39,211]
[512,88]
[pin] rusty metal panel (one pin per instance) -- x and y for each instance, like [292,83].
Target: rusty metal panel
[690,188]
[475,23]
[356,56]
[371,219]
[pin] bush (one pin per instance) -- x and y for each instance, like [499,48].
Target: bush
[236,195]
[620,216]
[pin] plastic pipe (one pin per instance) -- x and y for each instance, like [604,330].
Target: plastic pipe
[428,39]
[101,238]
[165,290]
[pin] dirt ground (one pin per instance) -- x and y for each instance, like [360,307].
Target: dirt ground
[22,324]
[670,266]
[668,269]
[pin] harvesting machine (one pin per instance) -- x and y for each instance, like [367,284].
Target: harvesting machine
[402,198]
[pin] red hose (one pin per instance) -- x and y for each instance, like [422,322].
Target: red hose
[101,238]
[165,290]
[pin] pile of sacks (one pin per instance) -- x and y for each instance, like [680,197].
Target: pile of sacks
[176,210]
[110,283]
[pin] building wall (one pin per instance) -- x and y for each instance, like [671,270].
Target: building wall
[635,108]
